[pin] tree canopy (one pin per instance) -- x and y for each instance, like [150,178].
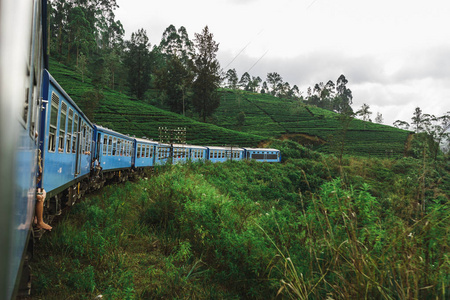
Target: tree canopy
[207,74]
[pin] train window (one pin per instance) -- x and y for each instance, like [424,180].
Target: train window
[114,145]
[75,134]
[118,147]
[89,141]
[105,145]
[83,137]
[69,131]
[62,126]
[53,122]
[151,151]
[138,155]
[110,146]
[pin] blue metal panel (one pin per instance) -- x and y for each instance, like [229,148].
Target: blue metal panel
[116,157]
[146,157]
[197,153]
[60,163]
[263,154]
[162,154]
[222,154]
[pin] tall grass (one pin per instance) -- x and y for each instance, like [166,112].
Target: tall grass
[305,229]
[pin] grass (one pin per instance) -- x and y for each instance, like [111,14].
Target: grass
[308,228]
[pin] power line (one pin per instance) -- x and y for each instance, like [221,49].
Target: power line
[262,30]
[258,60]
[243,49]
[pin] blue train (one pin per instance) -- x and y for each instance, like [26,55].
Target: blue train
[47,142]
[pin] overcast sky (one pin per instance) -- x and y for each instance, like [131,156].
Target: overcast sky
[394,53]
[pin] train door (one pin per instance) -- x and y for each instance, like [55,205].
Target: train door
[78,149]
[97,148]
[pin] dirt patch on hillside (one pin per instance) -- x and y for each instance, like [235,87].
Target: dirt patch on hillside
[301,138]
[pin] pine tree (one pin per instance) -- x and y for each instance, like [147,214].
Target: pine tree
[207,70]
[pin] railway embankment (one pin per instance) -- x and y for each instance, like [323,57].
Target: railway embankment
[246,229]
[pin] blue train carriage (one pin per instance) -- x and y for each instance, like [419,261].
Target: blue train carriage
[263,154]
[222,154]
[66,146]
[145,153]
[197,153]
[179,153]
[115,153]
[163,154]
[22,59]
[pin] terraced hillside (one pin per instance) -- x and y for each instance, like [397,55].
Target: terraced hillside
[118,112]
[321,129]
[266,117]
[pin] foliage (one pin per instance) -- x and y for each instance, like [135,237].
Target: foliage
[300,229]
[207,71]
[137,59]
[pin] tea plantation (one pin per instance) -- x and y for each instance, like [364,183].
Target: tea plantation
[270,116]
[266,117]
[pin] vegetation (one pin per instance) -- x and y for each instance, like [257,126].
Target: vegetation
[319,225]
[307,228]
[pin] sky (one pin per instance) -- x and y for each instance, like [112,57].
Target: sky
[395,54]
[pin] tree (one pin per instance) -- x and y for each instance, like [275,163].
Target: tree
[177,43]
[364,112]
[173,81]
[419,120]
[274,79]
[245,81]
[401,124]
[437,129]
[344,99]
[254,83]
[232,78]
[264,88]
[379,118]
[138,61]
[80,33]
[207,70]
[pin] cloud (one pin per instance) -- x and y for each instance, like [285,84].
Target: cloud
[393,90]
[429,63]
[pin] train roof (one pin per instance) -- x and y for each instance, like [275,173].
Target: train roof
[262,149]
[142,140]
[225,148]
[49,77]
[110,131]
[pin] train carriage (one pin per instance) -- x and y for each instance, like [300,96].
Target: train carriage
[197,153]
[222,154]
[263,154]
[22,59]
[180,153]
[68,139]
[115,150]
[162,154]
[145,153]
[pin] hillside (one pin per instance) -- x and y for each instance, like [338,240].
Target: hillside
[308,125]
[118,112]
[266,117]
